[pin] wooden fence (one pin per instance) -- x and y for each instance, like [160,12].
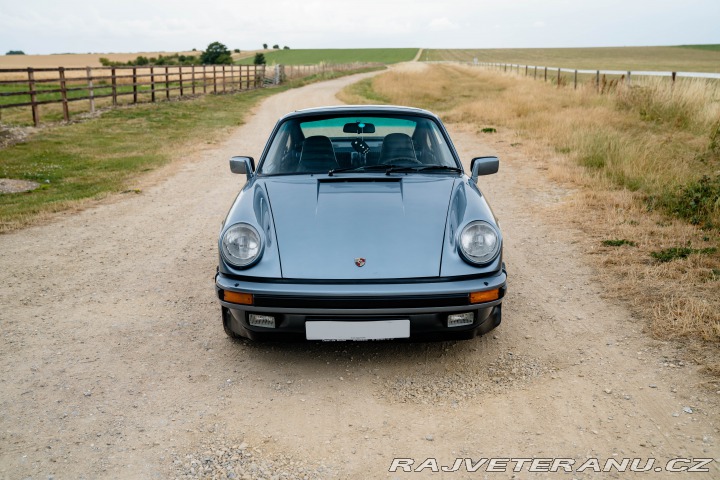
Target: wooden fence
[42,86]
[282,73]
[556,73]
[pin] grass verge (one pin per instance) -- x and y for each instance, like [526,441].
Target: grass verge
[92,158]
[644,165]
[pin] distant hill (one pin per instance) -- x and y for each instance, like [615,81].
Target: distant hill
[687,58]
[335,55]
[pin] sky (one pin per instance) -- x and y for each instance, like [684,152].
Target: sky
[81,26]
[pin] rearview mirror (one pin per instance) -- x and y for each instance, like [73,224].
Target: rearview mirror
[483,166]
[359,127]
[244,165]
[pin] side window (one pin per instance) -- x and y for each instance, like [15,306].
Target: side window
[282,155]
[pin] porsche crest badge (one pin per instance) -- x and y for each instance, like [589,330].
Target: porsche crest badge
[360,262]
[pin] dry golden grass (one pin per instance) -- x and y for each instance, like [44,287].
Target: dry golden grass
[74,59]
[617,153]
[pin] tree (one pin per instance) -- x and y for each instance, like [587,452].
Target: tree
[264,46]
[259,59]
[237,50]
[15,52]
[276,47]
[216,54]
[286,47]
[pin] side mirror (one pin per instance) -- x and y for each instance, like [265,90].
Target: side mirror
[483,166]
[244,165]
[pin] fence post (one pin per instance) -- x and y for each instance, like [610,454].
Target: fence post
[204,80]
[558,79]
[135,85]
[575,80]
[535,76]
[182,92]
[63,94]
[597,80]
[192,70]
[214,79]
[629,79]
[167,84]
[152,84]
[674,74]
[114,86]
[90,89]
[526,70]
[223,80]
[31,88]
[546,74]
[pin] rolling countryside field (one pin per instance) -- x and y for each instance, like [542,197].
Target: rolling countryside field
[69,60]
[608,196]
[334,55]
[688,58]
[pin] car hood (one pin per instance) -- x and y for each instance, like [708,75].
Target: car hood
[327,227]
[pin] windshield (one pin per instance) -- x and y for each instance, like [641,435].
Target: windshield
[326,143]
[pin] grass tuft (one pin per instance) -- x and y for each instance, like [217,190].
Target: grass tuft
[619,243]
[675,253]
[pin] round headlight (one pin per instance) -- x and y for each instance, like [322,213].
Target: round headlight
[479,242]
[241,245]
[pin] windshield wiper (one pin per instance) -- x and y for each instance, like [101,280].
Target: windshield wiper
[424,168]
[364,168]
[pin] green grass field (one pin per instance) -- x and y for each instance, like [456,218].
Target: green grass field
[89,159]
[714,48]
[686,58]
[334,55]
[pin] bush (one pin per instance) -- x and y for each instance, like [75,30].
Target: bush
[15,52]
[264,46]
[216,54]
[698,202]
[237,50]
[259,59]
[276,47]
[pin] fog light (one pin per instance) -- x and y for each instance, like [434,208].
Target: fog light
[262,321]
[460,319]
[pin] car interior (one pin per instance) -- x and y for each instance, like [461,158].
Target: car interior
[299,148]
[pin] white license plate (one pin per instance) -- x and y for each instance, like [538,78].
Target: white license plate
[363,330]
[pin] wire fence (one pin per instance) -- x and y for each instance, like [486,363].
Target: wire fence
[556,73]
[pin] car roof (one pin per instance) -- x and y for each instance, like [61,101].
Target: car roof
[360,109]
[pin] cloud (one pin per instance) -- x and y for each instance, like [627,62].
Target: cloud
[442,25]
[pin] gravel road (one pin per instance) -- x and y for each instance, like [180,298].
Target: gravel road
[114,364]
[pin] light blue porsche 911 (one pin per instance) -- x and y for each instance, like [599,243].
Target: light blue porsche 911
[359,224]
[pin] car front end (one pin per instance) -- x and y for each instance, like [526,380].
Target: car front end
[360,224]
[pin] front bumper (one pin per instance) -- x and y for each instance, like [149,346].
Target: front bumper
[427,304]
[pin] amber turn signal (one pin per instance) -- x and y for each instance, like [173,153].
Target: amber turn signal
[486,296]
[238,297]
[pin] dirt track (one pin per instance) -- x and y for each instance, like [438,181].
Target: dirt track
[114,363]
